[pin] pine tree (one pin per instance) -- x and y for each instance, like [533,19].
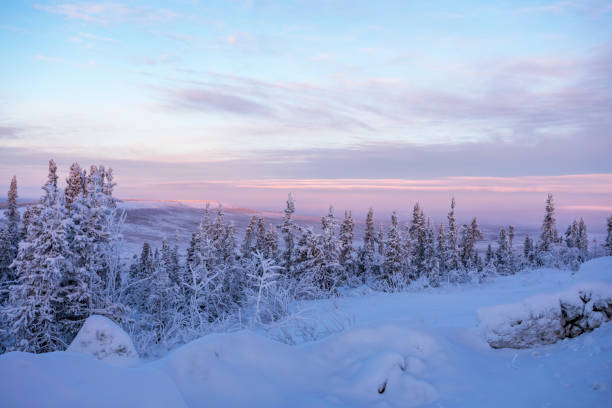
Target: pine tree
[287,229]
[582,241]
[502,255]
[469,236]
[432,266]
[393,260]
[36,307]
[141,273]
[347,252]
[9,236]
[164,299]
[380,240]
[418,237]
[330,272]
[571,235]
[249,244]
[270,249]
[608,243]
[548,231]
[452,257]
[528,251]
[442,251]
[260,235]
[74,184]
[368,250]
[489,256]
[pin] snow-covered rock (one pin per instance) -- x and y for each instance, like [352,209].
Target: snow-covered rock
[104,339]
[545,319]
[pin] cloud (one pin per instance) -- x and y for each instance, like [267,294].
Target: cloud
[517,98]
[7,132]
[106,13]
[575,184]
[204,100]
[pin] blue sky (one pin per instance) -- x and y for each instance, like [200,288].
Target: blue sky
[251,90]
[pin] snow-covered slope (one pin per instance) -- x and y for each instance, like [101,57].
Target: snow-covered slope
[421,348]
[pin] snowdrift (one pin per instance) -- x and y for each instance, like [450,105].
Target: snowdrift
[105,340]
[545,319]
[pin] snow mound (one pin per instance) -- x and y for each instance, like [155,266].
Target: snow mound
[62,380]
[385,365]
[104,339]
[545,319]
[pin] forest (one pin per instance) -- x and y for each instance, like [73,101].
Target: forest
[61,261]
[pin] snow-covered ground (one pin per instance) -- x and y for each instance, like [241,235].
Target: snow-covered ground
[421,348]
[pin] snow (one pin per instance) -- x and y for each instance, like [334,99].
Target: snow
[546,319]
[104,339]
[424,348]
[64,379]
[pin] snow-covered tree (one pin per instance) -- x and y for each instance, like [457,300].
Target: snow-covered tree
[260,235]
[548,233]
[582,241]
[528,251]
[330,272]
[608,242]
[9,236]
[452,247]
[265,293]
[348,256]
[432,265]
[470,234]
[164,300]
[74,184]
[37,308]
[270,249]
[418,236]
[502,255]
[249,243]
[367,253]
[442,251]
[392,267]
[287,229]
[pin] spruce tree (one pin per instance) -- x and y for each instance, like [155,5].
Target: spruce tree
[393,260]
[270,249]
[528,251]
[368,250]
[287,229]
[348,259]
[502,255]
[9,236]
[470,235]
[249,243]
[418,237]
[74,184]
[260,236]
[36,308]
[442,251]
[608,243]
[582,241]
[548,231]
[453,258]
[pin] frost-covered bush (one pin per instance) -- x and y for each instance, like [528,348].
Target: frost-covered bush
[546,319]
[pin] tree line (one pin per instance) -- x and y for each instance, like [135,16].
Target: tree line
[60,262]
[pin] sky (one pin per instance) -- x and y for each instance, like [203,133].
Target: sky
[352,103]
